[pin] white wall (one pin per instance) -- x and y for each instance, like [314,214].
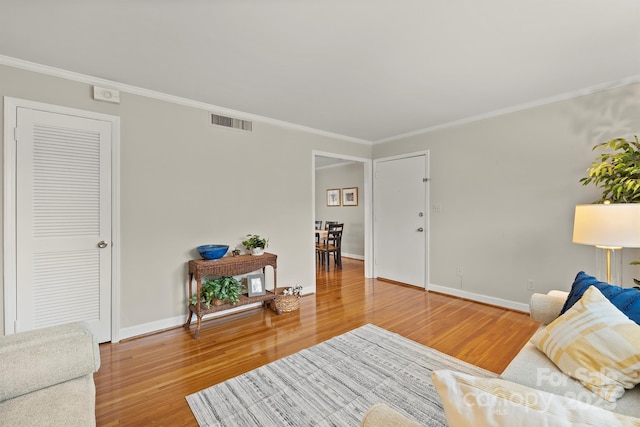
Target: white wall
[507,187]
[343,176]
[186,183]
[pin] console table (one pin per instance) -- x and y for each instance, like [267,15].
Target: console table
[227,266]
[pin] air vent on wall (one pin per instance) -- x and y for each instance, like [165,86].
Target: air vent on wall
[230,122]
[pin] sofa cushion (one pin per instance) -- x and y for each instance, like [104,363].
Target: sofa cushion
[532,368]
[380,415]
[44,357]
[69,404]
[626,299]
[474,401]
[595,343]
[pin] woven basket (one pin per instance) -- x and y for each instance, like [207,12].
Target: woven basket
[285,303]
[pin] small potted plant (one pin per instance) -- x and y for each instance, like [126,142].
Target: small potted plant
[255,244]
[219,291]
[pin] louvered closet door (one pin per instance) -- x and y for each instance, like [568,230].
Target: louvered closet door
[63,213]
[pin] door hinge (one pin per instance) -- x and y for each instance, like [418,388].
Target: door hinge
[425,179]
[16,132]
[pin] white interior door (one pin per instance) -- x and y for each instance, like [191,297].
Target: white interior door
[400,217]
[63,221]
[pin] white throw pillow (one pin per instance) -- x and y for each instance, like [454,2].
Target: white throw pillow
[595,343]
[477,402]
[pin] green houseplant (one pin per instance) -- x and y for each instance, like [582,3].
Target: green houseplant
[218,291]
[616,171]
[255,244]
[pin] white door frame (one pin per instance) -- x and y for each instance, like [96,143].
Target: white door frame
[9,207]
[368,207]
[426,207]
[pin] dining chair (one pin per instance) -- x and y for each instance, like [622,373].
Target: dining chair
[318,226]
[332,244]
[322,240]
[327,224]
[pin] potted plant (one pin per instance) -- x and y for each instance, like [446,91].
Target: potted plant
[255,244]
[219,291]
[616,171]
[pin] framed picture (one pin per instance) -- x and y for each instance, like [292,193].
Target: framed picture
[350,196]
[333,197]
[255,285]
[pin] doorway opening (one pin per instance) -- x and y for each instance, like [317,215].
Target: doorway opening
[352,176]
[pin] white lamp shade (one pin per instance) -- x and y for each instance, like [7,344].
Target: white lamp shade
[615,225]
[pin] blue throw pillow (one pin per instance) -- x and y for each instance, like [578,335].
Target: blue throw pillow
[626,299]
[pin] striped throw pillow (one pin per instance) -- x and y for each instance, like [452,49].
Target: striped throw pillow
[596,344]
[474,401]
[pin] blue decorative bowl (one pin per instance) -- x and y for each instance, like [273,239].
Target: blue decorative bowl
[211,252]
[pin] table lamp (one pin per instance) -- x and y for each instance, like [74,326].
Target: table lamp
[610,227]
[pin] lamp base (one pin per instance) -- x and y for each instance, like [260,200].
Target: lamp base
[609,265]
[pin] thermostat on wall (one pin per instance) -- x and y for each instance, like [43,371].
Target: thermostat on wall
[108,95]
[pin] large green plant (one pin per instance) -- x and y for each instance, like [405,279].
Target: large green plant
[616,171]
[225,288]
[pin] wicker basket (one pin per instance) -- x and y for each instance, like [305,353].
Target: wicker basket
[285,303]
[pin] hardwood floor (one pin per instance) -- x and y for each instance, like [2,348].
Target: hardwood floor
[144,381]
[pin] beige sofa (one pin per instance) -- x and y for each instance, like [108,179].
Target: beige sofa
[46,377]
[533,369]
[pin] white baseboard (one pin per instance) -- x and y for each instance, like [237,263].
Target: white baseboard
[360,257]
[172,322]
[512,305]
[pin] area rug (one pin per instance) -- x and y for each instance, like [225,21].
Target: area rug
[333,384]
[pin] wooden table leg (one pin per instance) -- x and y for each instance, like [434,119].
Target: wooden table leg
[187,324]
[327,259]
[197,306]
[196,335]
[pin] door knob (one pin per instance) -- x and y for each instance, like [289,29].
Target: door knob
[102,244]
[421,229]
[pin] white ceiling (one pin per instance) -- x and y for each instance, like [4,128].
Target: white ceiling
[368,70]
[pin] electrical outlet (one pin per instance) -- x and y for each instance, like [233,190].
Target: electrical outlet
[530,284]
[437,208]
[459,270]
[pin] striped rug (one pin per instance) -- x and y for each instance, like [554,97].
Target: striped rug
[333,384]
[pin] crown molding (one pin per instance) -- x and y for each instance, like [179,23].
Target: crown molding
[135,90]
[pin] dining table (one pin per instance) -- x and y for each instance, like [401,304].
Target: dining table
[321,233]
